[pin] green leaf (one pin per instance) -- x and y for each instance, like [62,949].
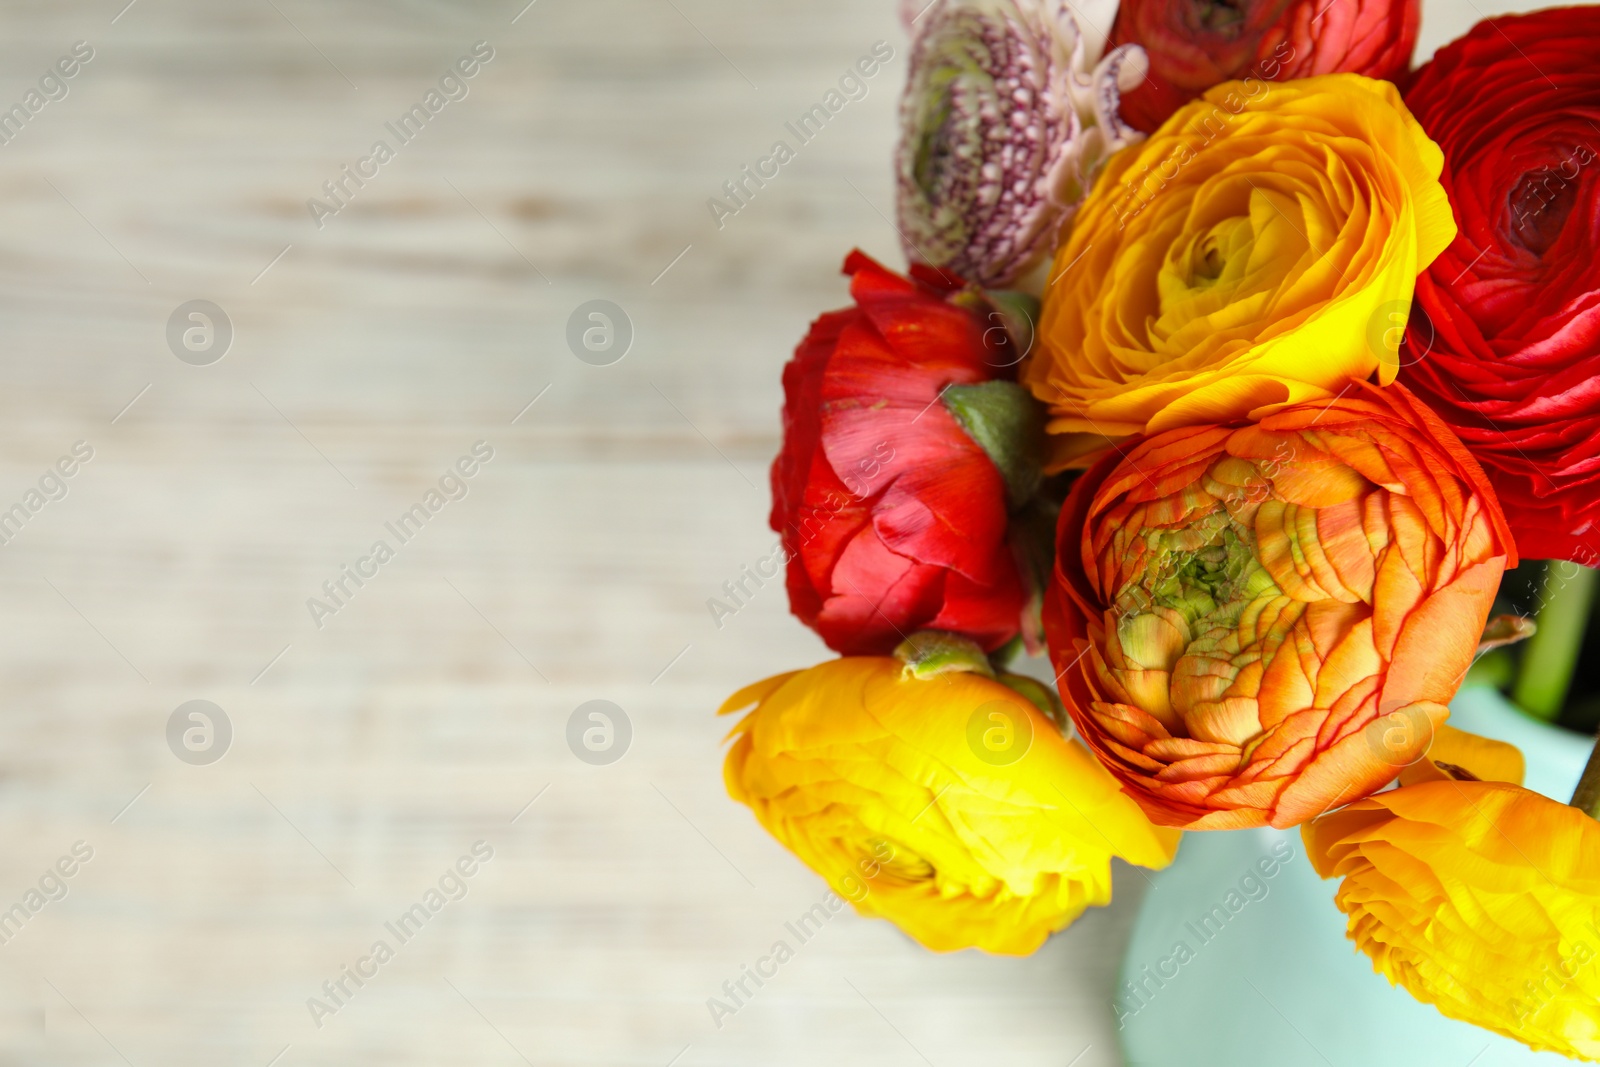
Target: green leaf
[1008,424]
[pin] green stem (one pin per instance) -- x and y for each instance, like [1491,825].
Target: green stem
[929,653]
[1587,797]
[1551,653]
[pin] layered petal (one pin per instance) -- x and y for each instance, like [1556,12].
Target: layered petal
[1256,622]
[1195,44]
[1479,897]
[1233,263]
[1504,336]
[888,787]
[1007,116]
[893,517]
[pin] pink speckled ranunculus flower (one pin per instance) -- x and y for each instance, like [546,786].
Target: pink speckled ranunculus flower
[1006,118]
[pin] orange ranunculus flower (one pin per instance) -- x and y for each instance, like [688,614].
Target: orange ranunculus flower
[1480,898]
[949,805]
[1253,623]
[1247,256]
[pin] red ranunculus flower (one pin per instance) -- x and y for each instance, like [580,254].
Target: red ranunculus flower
[1195,44]
[1504,340]
[893,518]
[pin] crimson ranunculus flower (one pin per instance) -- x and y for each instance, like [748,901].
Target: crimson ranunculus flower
[1195,44]
[1255,623]
[1504,340]
[893,516]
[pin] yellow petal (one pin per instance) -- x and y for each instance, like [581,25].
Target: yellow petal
[1485,759]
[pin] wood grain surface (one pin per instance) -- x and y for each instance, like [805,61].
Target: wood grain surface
[371,748]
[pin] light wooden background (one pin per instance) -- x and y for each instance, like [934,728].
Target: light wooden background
[371,753]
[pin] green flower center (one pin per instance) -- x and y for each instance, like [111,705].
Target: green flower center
[1207,573]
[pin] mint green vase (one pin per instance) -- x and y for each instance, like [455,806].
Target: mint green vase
[1238,957]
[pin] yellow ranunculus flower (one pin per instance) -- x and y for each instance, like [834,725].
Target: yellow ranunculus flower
[949,805]
[1455,754]
[1260,249]
[1480,898]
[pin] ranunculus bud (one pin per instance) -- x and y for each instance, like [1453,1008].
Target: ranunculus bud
[1195,44]
[903,448]
[1480,898]
[949,804]
[1006,117]
[1254,623]
[1505,332]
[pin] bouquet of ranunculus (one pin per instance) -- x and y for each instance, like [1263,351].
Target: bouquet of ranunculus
[1232,379]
